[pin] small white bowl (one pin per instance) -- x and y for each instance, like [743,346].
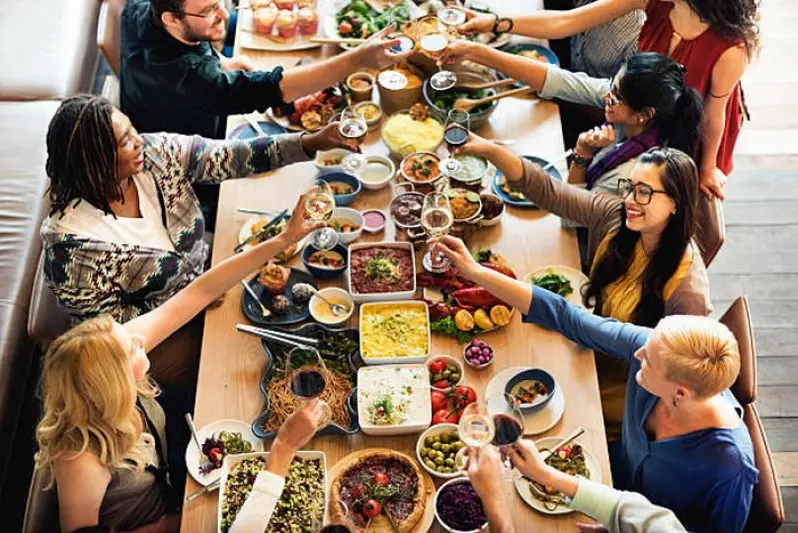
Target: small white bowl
[431,432]
[349,215]
[414,181]
[335,295]
[497,220]
[329,154]
[380,183]
[435,507]
[449,361]
[479,367]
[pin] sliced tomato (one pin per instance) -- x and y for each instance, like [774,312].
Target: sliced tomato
[344,28]
[371,508]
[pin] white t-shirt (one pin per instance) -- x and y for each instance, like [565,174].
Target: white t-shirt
[148,231]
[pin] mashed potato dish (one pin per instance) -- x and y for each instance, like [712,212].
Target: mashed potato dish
[402,131]
[394,330]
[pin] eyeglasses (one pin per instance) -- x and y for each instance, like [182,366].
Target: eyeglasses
[612,98]
[643,192]
[211,11]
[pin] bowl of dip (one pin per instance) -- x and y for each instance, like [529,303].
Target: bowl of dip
[370,112]
[473,172]
[378,172]
[373,220]
[361,85]
[322,313]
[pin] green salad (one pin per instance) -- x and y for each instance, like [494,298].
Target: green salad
[556,283]
[358,20]
[445,99]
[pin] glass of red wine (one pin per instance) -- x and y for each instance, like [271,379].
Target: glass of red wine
[306,377]
[458,126]
[509,427]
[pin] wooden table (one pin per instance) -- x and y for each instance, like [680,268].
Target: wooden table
[232,363]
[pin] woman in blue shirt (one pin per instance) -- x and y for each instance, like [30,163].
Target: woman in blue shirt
[683,444]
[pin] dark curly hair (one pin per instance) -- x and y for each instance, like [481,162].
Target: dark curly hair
[735,19]
[159,7]
[82,154]
[680,181]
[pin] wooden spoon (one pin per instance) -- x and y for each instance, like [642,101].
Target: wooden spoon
[495,84]
[467,104]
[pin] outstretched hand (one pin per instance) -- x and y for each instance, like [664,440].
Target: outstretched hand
[476,22]
[327,138]
[300,225]
[476,145]
[457,252]
[377,52]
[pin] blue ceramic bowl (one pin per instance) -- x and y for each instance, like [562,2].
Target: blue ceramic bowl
[324,273]
[343,177]
[536,374]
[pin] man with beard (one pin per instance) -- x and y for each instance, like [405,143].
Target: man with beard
[173,80]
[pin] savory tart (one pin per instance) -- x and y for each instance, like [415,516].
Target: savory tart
[379,481]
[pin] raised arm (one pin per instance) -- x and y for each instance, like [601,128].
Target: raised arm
[159,323]
[549,24]
[572,203]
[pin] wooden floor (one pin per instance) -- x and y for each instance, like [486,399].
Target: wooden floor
[760,257]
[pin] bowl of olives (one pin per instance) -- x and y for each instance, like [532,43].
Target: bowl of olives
[437,448]
[445,372]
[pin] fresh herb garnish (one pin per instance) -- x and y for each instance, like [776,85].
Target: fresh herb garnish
[382,267]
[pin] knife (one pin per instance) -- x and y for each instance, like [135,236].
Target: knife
[255,125]
[262,231]
[546,454]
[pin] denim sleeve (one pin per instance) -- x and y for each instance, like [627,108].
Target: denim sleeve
[606,335]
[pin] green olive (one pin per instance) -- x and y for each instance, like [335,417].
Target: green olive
[439,460]
[429,464]
[428,442]
[423,452]
[446,374]
[444,438]
[436,438]
[455,377]
[445,448]
[449,461]
[436,445]
[437,377]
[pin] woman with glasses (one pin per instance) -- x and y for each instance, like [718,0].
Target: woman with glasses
[642,261]
[645,105]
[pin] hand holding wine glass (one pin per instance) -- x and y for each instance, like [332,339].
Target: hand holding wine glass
[434,39]
[458,128]
[319,205]
[436,219]
[306,377]
[353,127]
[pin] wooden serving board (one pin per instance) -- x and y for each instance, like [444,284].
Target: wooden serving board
[381,524]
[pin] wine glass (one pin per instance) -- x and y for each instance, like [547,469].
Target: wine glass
[354,128]
[458,126]
[509,424]
[451,15]
[436,219]
[399,15]
[476,428]
[319,205]
[306,377]
[433,39]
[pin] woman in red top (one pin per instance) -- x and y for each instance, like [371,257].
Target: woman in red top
[714,39]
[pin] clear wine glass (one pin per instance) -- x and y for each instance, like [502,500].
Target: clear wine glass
[451,15]
[354,128]
[306,377]
[458,127]
[476,429]
[319,205]
[436,219]
[399,15]
[509,424]
[434,39]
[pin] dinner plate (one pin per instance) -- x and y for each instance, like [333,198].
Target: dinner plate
[328,24]
[245,131]
[577,278]
[553,172]
[193,454]
[253,40]
[522,483]
[535,422]
[246,231]
[296,313]
[514,49]
[282,121]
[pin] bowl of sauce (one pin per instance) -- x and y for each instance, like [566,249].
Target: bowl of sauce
[378,172]
[322,313]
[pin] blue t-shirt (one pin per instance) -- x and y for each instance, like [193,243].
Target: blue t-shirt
[706,477]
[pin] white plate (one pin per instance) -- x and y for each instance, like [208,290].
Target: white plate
[259,41]
[193,454]
[577,278]
[231,460]
[246,231]
[522,484]
[282,121]
[535,422]
[328,25]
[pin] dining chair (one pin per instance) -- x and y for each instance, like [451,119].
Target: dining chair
[738,319]
[767,509]
[711,232]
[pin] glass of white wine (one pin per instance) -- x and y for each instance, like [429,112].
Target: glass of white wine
[433,38]
[436,219]
[319,205]
[354,128]
[400,13]
[451,15]
[476,428]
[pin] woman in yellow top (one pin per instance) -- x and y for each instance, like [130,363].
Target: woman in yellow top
[643,262]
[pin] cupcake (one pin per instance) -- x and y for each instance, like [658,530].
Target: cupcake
[308,21]
[274,277]
[286,23]
[306,3]
[285,4]
[264,18]
[259,4]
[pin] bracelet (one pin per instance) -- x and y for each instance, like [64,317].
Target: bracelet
[497,21]
[581,161]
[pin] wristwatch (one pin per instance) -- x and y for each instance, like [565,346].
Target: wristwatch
[581,161]
[508,25]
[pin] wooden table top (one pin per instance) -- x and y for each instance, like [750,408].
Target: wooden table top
[232,363]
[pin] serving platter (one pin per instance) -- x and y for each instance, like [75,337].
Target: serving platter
[553,172]
[251,39]
[296,313]
[522,483]
[381,524]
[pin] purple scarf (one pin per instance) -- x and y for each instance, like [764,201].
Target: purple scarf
[621,153]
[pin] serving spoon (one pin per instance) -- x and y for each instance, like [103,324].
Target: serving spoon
[467,104]
[337,309]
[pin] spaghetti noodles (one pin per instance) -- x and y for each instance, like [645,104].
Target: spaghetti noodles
[283,403]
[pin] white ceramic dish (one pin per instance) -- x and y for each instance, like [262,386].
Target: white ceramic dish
[407,359]
[375,183]
[349,215]
[382,296]
[231,460]
[577,278]
[431,432]
[435,506]
[535,422]
[329,154]
[328,292]
[496,220]
[375,382]
[522,484]
[479,367]
[449,361]
[193,454]
[246,231]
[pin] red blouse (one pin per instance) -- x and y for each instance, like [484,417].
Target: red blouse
[699,55]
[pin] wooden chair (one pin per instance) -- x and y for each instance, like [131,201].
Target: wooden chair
[738,319]
[767,509]
[711,231]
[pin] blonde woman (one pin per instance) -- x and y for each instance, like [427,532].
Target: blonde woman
[102,434]
[683,444]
